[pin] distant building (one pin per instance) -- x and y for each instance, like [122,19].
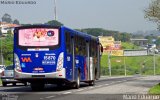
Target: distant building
[139,42]
[5,27]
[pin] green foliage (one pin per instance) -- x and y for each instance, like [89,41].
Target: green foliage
[7,48]
[150,38]
[153,12]
[128,45]
[54,23]
[155,90]
[6,18]
[158,42]
[98,31]
[26,24]
[134,65]
[16,22]
[124,37]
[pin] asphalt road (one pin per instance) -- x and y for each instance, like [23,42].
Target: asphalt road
[107,88]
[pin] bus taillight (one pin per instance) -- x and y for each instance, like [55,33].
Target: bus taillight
[17,63]
[2,74]
[60,62]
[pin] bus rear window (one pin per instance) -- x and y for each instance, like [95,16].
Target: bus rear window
[38,37]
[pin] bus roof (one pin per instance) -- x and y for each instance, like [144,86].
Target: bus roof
[37,26]
[89,37]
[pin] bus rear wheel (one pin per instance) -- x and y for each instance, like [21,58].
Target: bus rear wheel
[76,85]
[92,83]
[37,86]
[4,84]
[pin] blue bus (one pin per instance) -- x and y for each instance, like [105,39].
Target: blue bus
[55,55]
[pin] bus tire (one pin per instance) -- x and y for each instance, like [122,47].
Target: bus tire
[14,84]
[61,85]
[4,84]
[37,86]
[25,84]
[92,83]
[76,85]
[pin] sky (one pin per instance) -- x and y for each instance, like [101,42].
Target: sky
[118,15]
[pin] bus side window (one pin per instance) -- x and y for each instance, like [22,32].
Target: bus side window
[91,49]
[95,46]
[84,47]
[76,44]
[68,41]
[80,46]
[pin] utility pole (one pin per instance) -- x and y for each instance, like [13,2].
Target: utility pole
[124,59]
[154,63]
[109,63]
[55,10]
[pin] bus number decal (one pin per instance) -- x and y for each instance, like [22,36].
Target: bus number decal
[49,57]
[68,58]
[26,59]
[49,60]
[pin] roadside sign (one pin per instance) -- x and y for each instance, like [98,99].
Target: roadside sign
[135,53]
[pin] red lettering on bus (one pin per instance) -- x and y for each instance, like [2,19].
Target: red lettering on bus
[25,59]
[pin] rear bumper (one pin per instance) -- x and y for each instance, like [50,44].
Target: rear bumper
[9,79]
[54,75]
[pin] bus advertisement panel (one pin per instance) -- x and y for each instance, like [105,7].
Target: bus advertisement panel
[38,37]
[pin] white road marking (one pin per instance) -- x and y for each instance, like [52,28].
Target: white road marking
[50,97]
[106,84]
[67,92]
[80,90]
[91,87]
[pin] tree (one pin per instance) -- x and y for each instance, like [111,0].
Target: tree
[7,48]
[26,24]
[7,18]
[125,37]
[54,23]
[153,12]
[16,22]
[158,42]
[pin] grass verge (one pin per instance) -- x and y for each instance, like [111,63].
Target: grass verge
[155,89]
[134,65]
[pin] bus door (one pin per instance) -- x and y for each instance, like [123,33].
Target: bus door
[73,57]
[89,61]
[70,56]
[92,60]
[98,61]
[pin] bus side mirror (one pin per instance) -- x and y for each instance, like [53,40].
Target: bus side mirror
[101,49]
